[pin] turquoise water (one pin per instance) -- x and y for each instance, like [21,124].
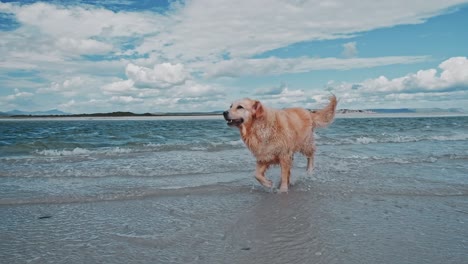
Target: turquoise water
[75,160]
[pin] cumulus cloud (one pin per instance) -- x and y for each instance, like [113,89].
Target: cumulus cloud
[454,72]
[453,75]
[164,86]
[278,92]
[350,49]
[15,100]
[68,87]
[194,89]
[74,21]
[18,95]
[450,77]
[54,33]
[83,46]
[162,75]
[125,99]
[282,96]
[119,87]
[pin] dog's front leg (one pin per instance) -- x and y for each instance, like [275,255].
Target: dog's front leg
[285,163]
[260,174]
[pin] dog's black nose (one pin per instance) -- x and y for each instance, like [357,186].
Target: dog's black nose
[225,113]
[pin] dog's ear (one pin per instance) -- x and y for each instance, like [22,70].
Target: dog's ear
[257,109]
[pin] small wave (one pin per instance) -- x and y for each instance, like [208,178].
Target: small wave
[364,140]
[82,151]
[396,160]
[457,137]
[205,146]
[149,147]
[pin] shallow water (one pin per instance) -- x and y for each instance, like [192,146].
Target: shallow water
[384,190]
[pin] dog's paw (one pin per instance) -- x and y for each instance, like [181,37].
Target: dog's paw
[283,189]
[267,183]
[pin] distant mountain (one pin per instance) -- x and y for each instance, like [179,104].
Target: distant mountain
[416,110]
[19,112]
[57,113]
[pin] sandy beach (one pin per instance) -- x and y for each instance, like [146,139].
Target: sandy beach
[339,220]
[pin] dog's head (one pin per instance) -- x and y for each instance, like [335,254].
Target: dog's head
[242,112]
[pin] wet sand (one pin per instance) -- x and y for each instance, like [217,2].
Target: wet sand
[344,220]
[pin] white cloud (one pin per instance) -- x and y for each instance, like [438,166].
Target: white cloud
[455,71]
[83,22]
[68,87]
[278,92]
[119,87]
[83,46]
[350,49]
[15,100]
[165,87]
[18,95]
[273,65]
[125,99]
[453,76]
[450,78]
[283,96]
[163,75]
[194,89]
[53,33]
[244,28]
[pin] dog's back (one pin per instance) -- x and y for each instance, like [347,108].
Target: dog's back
[285,131]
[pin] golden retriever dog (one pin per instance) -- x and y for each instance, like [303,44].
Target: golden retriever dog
[274,135]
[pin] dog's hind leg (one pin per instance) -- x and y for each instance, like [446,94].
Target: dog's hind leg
[309,151]
[260,174]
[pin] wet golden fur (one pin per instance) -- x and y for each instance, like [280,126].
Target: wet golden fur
[273,135]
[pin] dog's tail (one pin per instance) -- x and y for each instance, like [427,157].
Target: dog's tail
[324,117]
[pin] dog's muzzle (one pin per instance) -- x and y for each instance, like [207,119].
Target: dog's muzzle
[232,122]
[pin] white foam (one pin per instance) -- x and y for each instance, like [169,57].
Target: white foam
[456,137]
[385,138]
[366,140]
[55,152]
[82,151]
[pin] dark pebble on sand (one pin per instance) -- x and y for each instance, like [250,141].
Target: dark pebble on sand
[245,248]
[44,217]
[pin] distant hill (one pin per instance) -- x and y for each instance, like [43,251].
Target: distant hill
[37,113]
[57,113]
[415,110]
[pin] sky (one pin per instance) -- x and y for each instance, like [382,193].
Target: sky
[86,56]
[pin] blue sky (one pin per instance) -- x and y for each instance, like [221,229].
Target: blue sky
[158,56]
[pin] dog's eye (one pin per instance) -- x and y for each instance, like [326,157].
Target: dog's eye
[240,107]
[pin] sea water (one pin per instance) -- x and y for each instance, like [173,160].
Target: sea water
[182,191]
[69,160]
